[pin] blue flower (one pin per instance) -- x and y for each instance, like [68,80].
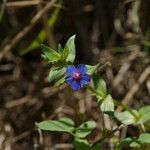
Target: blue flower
[77,77]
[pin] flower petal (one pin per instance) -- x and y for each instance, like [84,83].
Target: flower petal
[85,79]
[82,68]
[76,85]
[70,70]
[69,80]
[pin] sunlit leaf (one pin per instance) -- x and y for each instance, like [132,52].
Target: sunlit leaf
[51,55]
[62,125]
[85,129]
[100,86]
[145,138]
[56,73]
[107,104]
[60,81]
[144,113]
[92,69]
[126,117]
[129,142]
[70,49]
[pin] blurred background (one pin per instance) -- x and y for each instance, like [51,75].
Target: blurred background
[117,31]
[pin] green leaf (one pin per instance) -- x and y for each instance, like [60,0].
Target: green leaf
[129,142]
[100,86]
[60,81]
[60,49]
[92,69]
[97,147]
[62,125]
[107,104]
[145,138]
[51,55]
[70,49]
[56,73]
[144,113]
[126,117]
[85,129]
[81,144]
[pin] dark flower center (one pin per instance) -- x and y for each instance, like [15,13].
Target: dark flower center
[76,76]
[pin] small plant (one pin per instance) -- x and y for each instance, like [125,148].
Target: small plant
[86,76]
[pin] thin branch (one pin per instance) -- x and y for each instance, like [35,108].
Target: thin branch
[109,135]
[13,43]
[20,4]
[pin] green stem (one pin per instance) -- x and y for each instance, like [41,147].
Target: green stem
[117,103]
[126,108]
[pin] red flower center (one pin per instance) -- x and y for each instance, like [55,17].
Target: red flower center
[76,76]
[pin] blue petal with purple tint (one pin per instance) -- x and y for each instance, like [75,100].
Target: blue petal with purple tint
[85,79]
[82,68]
[70,70]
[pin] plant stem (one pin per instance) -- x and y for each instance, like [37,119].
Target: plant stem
[117,103]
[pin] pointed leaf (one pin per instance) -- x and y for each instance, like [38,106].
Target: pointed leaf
[62,125]
[56,73]
[144,113]
[100,86]
[92,69]
[129,142]
[126,117]
[145,138]
[60,81]
[50,54]
[85,129]
[70,49]
[107,104]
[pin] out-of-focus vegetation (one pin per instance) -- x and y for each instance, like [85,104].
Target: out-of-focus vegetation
[117,31]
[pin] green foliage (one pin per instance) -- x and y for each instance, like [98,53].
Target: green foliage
[92,69]
[69,49]
[129,142]
[67,125]
[61,59]
[63,56]
[62,125]
[141,142]
[83,144]
[107,104]
[145,138]
[97,147]
[66,56]
[60,81]
[49,54]
[126,117]
[85,129]
[144,113]
[105,101]
[100,86]
[56,73]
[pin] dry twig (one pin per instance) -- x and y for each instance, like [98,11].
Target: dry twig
[13,43]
